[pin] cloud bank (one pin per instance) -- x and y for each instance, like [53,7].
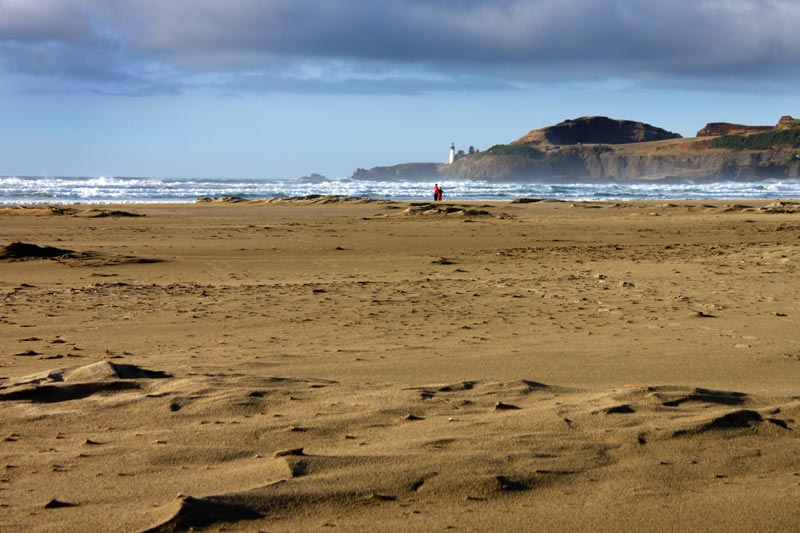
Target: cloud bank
[397,46]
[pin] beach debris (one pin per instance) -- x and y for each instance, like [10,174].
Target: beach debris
[413,417]
[57,504]
[508,484]
[106,213]
[527,200]
[61,211]
[323,199]
[24,250]
[623,409]
[739,419]
[289,452]
[779,207]
[306,199]
[674,396]
[434,209]
[500,406]
[381,497]
[779,422]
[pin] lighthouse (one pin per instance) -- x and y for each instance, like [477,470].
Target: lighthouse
[452,153]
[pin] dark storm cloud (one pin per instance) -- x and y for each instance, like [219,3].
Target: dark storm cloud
[399,45]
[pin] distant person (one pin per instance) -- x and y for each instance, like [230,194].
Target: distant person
[437,193]
[441,194]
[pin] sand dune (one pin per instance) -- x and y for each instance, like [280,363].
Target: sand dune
[305,365]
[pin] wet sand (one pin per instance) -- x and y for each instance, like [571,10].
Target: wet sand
[327,364]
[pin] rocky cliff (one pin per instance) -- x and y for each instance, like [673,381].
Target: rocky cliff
[597,130]
[599,149]
[788,122]
[585,164]
[715,129]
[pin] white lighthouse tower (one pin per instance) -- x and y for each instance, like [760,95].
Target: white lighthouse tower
[452,153]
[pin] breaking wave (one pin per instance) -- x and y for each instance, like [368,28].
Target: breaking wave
[121,190]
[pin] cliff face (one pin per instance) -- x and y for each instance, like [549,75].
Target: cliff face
[537,158]
[584,164]
[578,166]
[694,166]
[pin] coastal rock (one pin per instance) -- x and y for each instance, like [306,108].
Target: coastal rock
[787,122]
[597,130]
[314,178]
[715,129]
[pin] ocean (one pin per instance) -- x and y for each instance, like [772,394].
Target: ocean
[16,190]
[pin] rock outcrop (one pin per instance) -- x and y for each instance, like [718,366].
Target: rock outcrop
[314,178]
[715,129]
[597,130]
[788,122]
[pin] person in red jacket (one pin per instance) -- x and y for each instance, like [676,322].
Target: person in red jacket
[437,195]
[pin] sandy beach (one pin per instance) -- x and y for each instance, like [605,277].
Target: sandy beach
[371,365]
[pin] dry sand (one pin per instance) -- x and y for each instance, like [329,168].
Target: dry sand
[294,366]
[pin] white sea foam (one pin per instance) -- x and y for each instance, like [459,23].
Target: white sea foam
[58,190]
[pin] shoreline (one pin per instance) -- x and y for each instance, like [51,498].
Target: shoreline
[110,191]
[333,199]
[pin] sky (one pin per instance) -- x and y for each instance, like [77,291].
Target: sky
[285,88]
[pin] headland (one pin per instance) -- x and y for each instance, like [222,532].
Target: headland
[599,149]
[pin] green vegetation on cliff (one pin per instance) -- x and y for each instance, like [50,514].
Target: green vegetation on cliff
[758,141]
[522,149]
[599,148]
